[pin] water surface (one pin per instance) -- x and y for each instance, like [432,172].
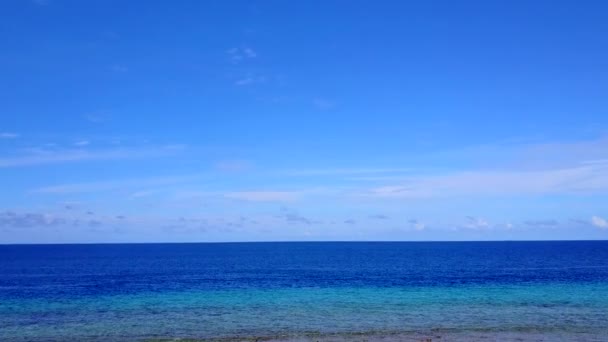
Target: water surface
[293,291]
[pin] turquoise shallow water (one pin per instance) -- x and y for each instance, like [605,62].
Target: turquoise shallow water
[549,308]
[389,292]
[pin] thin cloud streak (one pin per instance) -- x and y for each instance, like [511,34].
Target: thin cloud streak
[116,184]
[590,178]
[8,135]
[42,157]
[249,80]
[264,196]
[344,171]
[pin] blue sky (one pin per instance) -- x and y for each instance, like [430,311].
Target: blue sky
[319,120]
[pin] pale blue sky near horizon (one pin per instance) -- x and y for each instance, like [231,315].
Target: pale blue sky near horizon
[156,121]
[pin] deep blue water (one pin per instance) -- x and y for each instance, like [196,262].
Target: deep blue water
[139,291]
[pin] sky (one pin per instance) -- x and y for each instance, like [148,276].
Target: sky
[208,121]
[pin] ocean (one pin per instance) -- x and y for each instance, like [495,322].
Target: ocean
[301,291]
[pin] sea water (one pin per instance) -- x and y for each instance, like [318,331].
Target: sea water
[305,291]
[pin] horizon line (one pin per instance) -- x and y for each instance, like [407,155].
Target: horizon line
[297,241]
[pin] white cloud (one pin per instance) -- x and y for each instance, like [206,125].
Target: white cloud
[82,143]
[8,135]
[476,223]
[599,222]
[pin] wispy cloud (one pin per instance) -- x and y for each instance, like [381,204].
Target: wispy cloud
[118,68]
[35,220]
[144,193]
[250,80]
[323,104]
[291,216]
[476,223]
[264,196]
[296,218]
[96,117]
[11,219]
[345,171]
[8,135]
[417,225]
[562,154]
[245,75]
[82,143]
[123,184]
[54,156]
[233,165]
[249,53]
[541,223]
[599,222]
[579,179]
[239,54]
